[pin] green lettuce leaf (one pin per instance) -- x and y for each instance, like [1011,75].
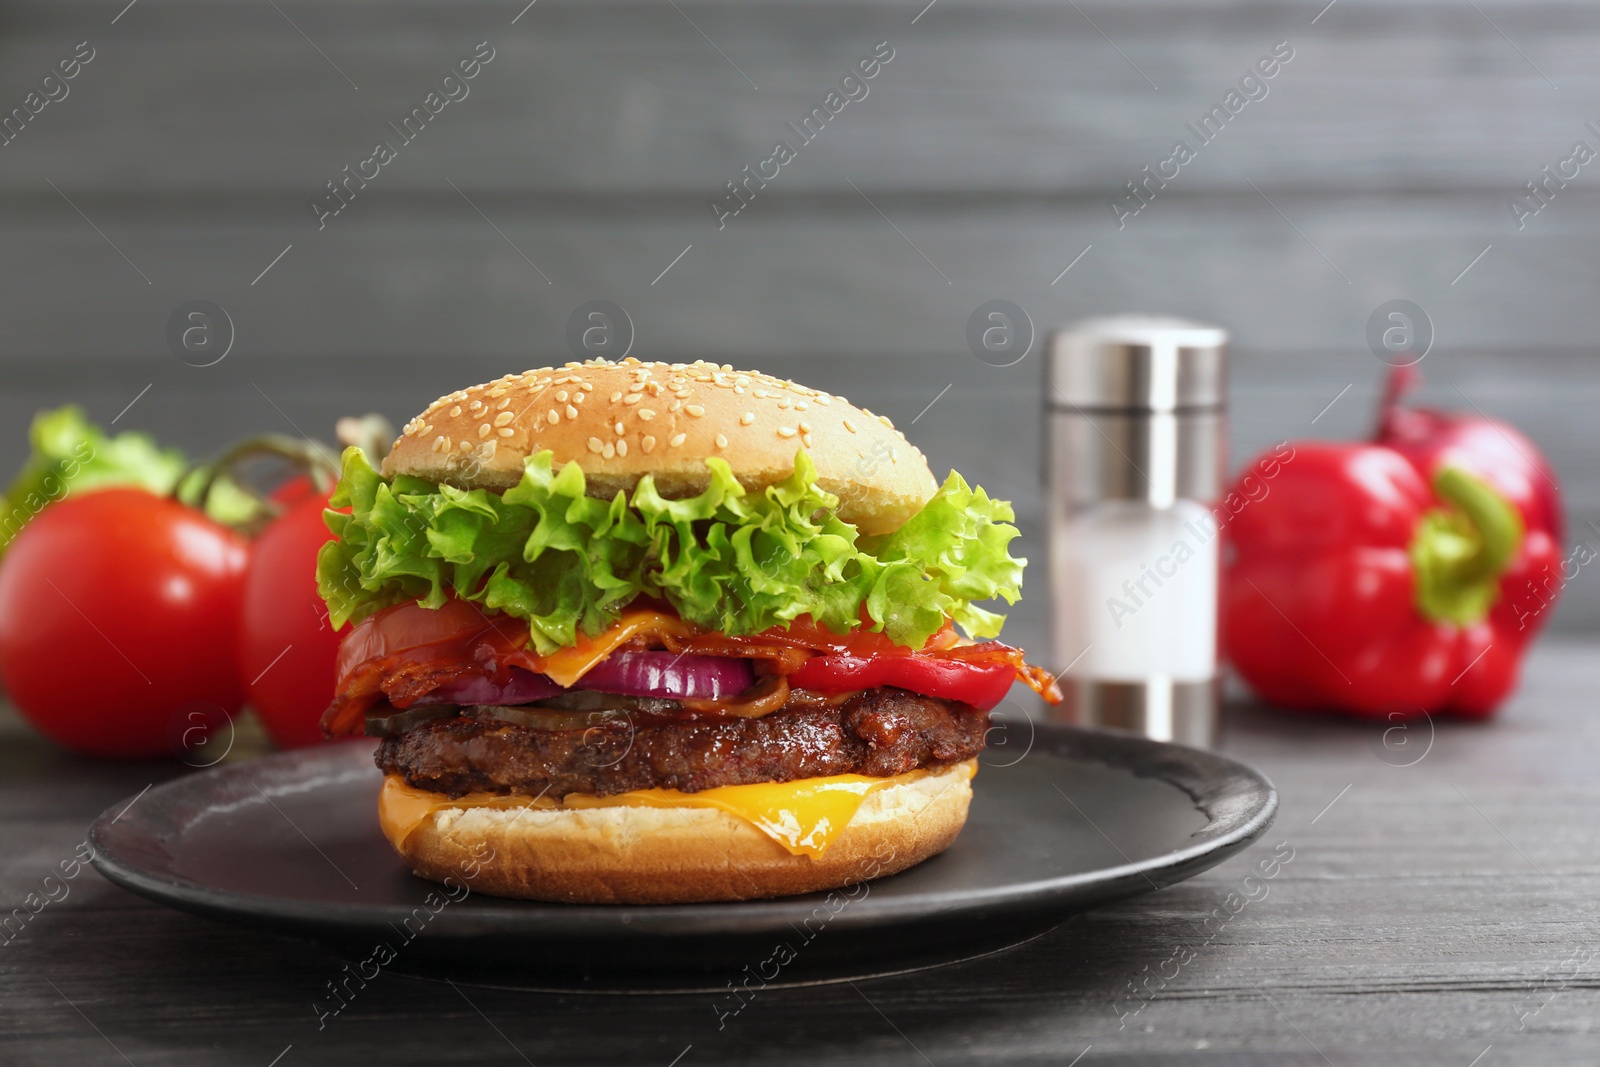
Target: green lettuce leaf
[729,560]
[70,454]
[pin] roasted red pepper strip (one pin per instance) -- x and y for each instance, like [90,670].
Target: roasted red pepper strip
[1386,583]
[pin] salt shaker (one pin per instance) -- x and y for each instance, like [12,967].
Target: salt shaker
[1137,446]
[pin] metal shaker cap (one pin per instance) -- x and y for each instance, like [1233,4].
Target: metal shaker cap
[1138,363]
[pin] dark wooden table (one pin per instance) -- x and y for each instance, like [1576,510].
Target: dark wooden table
[1440,908]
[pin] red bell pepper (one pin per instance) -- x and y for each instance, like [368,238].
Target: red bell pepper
[1390,579]
[1493,450]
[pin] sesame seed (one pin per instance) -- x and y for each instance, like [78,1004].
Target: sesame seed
[632,398]
[695,409]
[504,417]
[785,403]
[455,411]
[747,418]
[586,387]
[578,397]
[647,443]
[805,439]
[646,414]
[849,425]
[616,396]
[805,427]
[785,431]
[506,431]
[561,395]
[618,427]
[596,445]
[498,391]
[622,448]
[428,428]
[722,441]
[678,439]
[801,405]
[466,446]
[554,416]
[572,412]
[822,398]
[483,431]
[676,405]
[636,387]
[441,444]
[611,450]
[475,406]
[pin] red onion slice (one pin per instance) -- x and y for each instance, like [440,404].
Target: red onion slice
[522,687]
[666,674]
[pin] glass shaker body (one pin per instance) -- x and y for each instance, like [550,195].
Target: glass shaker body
[1136,591]
[1136,452]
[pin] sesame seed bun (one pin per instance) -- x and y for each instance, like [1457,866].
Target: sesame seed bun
[621,421]
[640,855]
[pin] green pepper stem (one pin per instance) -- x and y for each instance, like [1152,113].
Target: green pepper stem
[1460,551]
[1498,525]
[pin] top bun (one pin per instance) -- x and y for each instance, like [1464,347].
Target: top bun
[621,421]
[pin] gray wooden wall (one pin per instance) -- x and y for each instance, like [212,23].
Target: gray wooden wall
[982,162]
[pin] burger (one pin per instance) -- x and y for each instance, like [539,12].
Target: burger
[654,633]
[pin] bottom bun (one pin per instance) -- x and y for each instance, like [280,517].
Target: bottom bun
[644,855]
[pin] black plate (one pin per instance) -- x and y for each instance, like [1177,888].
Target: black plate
[290,843]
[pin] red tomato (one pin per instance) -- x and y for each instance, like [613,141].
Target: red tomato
[294,489]
[287,649]
[118,615]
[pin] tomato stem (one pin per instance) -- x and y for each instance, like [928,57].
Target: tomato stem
[306,456]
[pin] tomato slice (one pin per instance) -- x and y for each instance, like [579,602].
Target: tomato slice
[982,686]
[1038,679]
[408,628]
[407,650]
[979,675]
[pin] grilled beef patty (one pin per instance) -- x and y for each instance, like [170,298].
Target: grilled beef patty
[878,732]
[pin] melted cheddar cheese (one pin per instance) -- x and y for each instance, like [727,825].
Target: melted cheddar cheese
[803,816]
[565,666]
